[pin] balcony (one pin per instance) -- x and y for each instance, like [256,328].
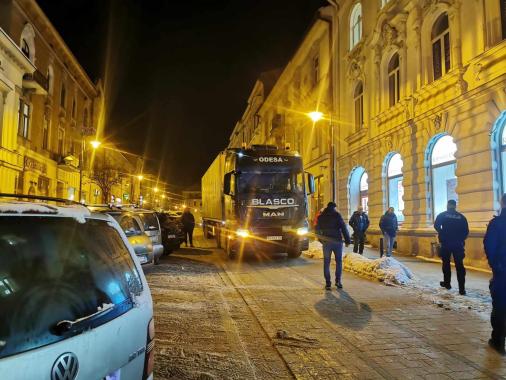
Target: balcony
[37,82]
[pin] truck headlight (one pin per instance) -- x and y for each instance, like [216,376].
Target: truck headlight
[242,233]
[302,231]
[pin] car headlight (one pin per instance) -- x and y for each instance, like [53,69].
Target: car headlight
[302,231]
[242,233]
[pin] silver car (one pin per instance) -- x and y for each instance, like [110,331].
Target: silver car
[151,227]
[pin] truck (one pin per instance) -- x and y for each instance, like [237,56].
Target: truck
[256,200]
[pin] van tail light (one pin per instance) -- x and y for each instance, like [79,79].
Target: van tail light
[149,359]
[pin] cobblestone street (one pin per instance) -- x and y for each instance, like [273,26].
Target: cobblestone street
[271,319]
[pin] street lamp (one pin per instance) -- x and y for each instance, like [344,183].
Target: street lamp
[316,116]
[94,144]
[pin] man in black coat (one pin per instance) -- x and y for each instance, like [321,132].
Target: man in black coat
[452,229]
[495,249]
[331,229]
[359,221]
[188,221]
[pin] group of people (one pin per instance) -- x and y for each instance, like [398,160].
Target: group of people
[452,228]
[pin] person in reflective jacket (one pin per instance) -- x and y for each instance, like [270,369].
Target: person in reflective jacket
[495,249]
[359,221]
[452,229]
[331,230]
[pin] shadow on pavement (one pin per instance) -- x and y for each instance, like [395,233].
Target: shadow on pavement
[193,251]
[344,310]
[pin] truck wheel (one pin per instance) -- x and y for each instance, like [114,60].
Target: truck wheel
[294,253]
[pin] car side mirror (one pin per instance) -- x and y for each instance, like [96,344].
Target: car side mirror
[310,184]
[227,182]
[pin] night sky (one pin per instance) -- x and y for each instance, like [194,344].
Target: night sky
[180,72]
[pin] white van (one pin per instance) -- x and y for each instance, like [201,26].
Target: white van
[74,302]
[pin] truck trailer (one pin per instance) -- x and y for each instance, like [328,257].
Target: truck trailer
[256,200]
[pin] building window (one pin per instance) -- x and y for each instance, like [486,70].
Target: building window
[358,189]
[364,191]
[74,109]
[43,185]
[316,70]
[502,4]
[441,63]
[45,134]
[355,25]
[394,80]
[23,119]
[61,140]
[358,100]
[25,48]
[63,95]
[443,178]
[395,189]
[27,42]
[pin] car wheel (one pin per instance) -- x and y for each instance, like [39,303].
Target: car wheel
[156,260]
[294,253]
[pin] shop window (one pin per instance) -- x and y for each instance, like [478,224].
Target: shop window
[355,25]
[395,188]
[443,178]
[440,37]
[358,100]
[394,80]
[23,118]
[358,187]
[43,186]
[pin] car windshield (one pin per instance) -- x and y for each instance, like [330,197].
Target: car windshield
[270,182]
[55,270]
[150,221]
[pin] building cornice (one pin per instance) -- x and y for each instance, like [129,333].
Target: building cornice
[12,50]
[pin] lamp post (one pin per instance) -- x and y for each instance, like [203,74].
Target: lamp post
[94,144]
[316,116]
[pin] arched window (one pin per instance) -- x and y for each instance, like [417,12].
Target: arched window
[440,37]
[358,189]
[25,48]
[394,80]
[395,189]
[63,95]
[27,42]
[355,25]
[443,178]
[358,100]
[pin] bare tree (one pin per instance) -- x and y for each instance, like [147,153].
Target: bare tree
[105,177]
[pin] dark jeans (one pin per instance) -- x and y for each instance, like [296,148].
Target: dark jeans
[188,235]
[328,248]
[498,316]
[458,257]
[358,241]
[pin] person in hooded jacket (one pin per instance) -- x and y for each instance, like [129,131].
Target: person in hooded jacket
[389,226]
[452,229]
[331,230]
[188,221]
[359,221]
[495,249]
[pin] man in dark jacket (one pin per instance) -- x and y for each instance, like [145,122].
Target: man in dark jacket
[452,229]
[389,226]
[359,221]
[495,249]
[188,221]
[331,229]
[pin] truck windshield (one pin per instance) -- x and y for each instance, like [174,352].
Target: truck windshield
[270,182]
[58,278]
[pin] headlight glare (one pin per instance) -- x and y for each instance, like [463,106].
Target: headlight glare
[302,231]
[242,233]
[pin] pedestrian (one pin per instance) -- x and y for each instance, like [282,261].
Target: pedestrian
[317,215]
[495,249]
[331,230]
[389,226]
[359,221]
[452,229]
[188,221]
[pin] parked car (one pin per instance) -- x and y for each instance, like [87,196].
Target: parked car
[172,232]
[69,283]
[151,227]
[133,227]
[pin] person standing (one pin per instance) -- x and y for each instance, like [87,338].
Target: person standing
[452,229]
[331,230]
[495,249]
[359,221]
[389,226]
[188,221]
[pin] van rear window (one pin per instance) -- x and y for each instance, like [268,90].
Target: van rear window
[59,278]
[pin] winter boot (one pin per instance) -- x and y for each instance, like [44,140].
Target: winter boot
[339,285]
[498,346]
[445,285]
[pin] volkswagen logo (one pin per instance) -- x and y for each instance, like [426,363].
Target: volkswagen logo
[65,367]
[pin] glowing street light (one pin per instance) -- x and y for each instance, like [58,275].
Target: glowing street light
[315,116]
[155,189]
[140,177]
[95,144]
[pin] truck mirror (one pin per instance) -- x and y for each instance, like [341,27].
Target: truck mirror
[227,179]
[310,184]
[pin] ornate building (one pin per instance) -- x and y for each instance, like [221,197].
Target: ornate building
[416,96]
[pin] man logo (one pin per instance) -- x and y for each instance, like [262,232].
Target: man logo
[273,214]
[65,367]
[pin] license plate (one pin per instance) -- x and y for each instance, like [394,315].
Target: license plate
[274,237]
[143,259]
[171,236]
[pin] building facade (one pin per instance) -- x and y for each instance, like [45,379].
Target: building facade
[50,107]
[416,97]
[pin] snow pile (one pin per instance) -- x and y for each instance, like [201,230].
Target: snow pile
[315,250]
[386,269]
[79,213]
